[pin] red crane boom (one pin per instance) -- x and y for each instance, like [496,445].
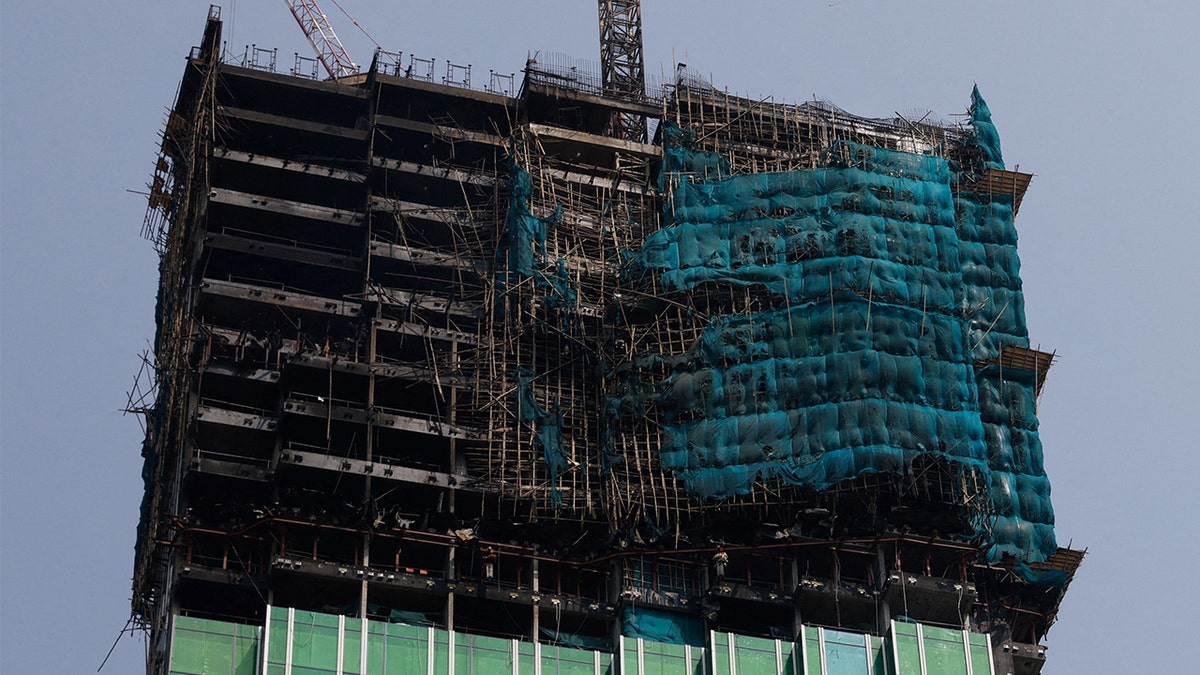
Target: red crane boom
[324,41]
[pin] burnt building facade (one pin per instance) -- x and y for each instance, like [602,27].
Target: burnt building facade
[454,379]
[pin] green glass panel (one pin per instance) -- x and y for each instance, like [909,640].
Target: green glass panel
[879,657]
[754,656]
[812,651]
[567,661]
[276,640]
[908,652]
[664,649]
[629,656]
[943,657]
[526,660]
[462,654]
[404,654]
[441,651]
[277,645]
[943,634]
[201,647]
[792,658]
[659,658]
[980,663]
[375,649]
[405,630]
[845,653]
[721,647]
[245,651]
[352,649]
[314,641]
[489,655]
[495,644]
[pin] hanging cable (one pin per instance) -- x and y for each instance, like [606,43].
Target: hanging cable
[356,24]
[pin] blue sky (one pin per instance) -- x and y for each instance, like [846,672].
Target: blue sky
[1098,99]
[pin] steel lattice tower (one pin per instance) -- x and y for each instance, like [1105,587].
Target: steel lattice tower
[622,65]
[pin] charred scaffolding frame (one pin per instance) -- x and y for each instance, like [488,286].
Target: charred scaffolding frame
[364,379]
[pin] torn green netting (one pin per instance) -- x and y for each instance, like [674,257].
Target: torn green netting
[526,236]
[548,430]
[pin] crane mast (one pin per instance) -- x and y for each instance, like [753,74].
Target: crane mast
[622,66]
[324,41]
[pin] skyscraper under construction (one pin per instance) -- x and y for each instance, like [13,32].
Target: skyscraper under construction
[573,372]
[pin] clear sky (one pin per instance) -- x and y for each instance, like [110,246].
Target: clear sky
[1098,99]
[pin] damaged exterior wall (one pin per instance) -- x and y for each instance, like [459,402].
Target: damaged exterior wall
[470,360]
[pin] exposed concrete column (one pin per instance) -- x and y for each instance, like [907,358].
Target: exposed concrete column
[453,423]
[881,576]
[452,576]
[797,623]
[614,597]
[535,586]
[370,450]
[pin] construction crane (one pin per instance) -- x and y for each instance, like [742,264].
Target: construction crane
[622,66]
[324,41]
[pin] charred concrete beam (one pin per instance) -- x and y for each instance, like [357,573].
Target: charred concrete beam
[233,370]
[270,296]
[572,136]
[594,180]
[335,87]
[286,207]
[736,591]
[831,602]
[1018,658]
[320,408]
[379,470]
[221,576]
[202,463]
[221,152]
[932,599]
[441,130]
[452,216]
[421,425]
[445,173]
[459,93]
[292,123]
[382,417]
[242,420]
[419,256]
[433,303]
[424,331]
[567,92]
[282,251]
[415,580]
[381,370]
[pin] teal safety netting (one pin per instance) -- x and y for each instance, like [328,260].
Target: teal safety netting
[526,236]
[892,283]
[661,625]
[524,246]
[994,309]
[548,426]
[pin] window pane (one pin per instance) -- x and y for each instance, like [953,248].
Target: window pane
[845,653]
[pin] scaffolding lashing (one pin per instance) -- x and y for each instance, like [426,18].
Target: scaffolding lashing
[172,224]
